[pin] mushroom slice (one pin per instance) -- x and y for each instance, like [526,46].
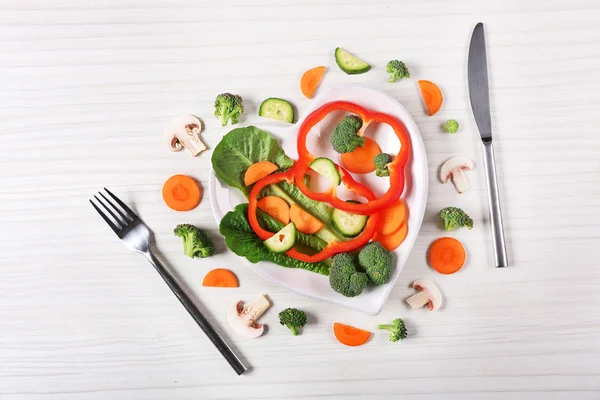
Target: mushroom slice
[183,132]
[243,319]
[455,169]
[427,294]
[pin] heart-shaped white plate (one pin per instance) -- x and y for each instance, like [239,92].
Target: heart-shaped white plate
[223,198]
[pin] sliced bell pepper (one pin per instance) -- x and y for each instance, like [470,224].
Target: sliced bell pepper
[333,247]
[396,167]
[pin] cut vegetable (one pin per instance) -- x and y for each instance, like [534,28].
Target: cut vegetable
[349,63]
[455,169]
[360,161]
[276,207]
[259,170]
[310,81]
[392,218]
[243,320]
[325,167]
[349,335]
[283,240]
[181,193]
[432,96]
[304,221]
[277,109]
[447,255]
[349,225]
[428,294]
[393,240]
[221,277]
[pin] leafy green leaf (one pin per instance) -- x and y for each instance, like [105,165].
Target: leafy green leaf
[242,147]
[272,225]
[241,239]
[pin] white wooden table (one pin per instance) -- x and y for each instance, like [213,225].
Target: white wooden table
[86,88]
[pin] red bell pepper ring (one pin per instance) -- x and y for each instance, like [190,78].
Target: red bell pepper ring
[332,248]
[396,167]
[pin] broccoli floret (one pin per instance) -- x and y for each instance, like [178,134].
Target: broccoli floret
[229,107]
[381,161]
[397,329]
[451,126]
[195,241]
[344,277]
[455,218]
[293,318]
[344,137]
[397,70]
[377,262]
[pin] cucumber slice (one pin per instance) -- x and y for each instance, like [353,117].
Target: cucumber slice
[350,64]
[326,167]
[283,240]
[277,109]
[349,225]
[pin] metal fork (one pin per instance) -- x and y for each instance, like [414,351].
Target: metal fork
[135,235]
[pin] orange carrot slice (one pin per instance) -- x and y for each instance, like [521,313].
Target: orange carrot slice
[447,255]
[304,222]
[393,240]
[310,81]
[360,161]
[392,218]
[349,335]
[432,96]
[276,207]
[181,193]
[259,170]
[221,277]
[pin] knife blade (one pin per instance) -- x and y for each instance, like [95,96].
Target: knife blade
[479,94]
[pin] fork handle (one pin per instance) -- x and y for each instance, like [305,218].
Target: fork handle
[191,308]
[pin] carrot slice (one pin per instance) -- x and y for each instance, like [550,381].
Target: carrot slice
[360,161]
[392,218]
[310,81]
[432,96]
[349,335]
[393,240]
[447,255]
[221,277]
[304,222]
[181,193]
[276,207]
[259,170]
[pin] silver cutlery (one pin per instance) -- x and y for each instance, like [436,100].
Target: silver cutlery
[135,235]
[479,93]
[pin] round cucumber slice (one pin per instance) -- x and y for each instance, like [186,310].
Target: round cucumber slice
[283,240]
[277,109]
[350,64]
[326,167]
[349,225]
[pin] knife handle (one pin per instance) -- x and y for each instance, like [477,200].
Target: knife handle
[489,162]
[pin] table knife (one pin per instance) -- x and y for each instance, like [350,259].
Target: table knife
[479,93]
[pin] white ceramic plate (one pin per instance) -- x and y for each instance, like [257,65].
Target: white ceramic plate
[223,198]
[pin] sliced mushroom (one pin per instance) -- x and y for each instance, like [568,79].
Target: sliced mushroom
[455,169]
[183,132]
[427,294]
[243,319]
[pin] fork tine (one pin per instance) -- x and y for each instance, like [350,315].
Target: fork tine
[108,221]
[123,205]
[126,218]
[112,214]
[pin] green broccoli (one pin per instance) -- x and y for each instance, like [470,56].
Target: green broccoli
[381,161]
[344,277]
[455,218]
[451,126]
[293,318]
[229,107]
[377,262]
[344,137]
[397,329]
[195,241]
[397,70]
